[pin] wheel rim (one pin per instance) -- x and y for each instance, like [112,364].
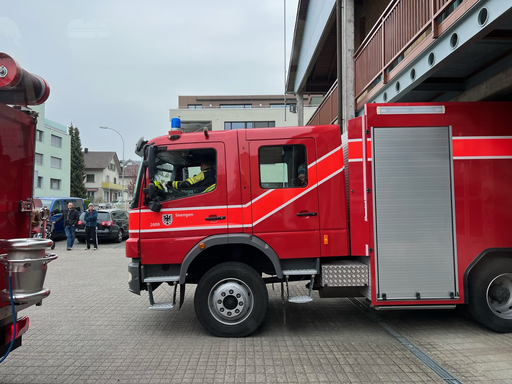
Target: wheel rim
[230,301]
[499,297]
[120,235]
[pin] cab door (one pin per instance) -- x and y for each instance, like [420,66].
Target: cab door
[188,217]
[284,207]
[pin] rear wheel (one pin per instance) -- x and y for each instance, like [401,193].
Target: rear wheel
[490,294]
[119,237]
[231,300]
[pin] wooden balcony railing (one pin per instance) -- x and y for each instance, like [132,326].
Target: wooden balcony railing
[327,111]
[404,26]
[402,32]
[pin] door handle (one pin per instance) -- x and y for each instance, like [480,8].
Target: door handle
[307,214]
[215,218]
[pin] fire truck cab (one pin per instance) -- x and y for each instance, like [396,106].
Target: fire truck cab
[409,208]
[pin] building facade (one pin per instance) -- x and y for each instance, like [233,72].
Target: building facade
[131,171]
[102,176]
[240,112]
[400,51]
[52,158]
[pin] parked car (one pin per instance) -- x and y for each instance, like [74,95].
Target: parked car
[57,205]
[112,225]
[120,204]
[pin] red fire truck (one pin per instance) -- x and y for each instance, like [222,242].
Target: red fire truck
[410,208]
[23,260]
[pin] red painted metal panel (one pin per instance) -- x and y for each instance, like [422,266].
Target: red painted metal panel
[274,211]
[188,215]
[358,218]
[17,146]
[482,176]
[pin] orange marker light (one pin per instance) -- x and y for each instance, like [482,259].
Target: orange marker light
[201,245]
[326,239]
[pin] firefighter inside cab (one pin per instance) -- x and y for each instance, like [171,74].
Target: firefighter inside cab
[183,173]
[203,182]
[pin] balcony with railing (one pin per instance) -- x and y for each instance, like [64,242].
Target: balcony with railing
[404,30]
[109,185]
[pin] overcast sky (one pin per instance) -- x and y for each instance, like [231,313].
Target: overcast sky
[123,63]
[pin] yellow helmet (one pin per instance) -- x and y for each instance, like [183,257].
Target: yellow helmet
[159,185]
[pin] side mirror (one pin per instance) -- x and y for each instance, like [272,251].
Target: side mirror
[139,147]
[155,206]
[151,190]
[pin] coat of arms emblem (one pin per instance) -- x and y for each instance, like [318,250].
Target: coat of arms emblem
[167,219]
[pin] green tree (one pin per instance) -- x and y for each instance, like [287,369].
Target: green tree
[77,175]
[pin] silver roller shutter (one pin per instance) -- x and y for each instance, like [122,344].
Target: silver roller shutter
[412,171]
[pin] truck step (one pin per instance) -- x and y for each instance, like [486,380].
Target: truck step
[161,306]
[161,279]
[298,272]
[300,299]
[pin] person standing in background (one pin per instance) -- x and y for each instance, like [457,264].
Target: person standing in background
[70,217]
[91,220]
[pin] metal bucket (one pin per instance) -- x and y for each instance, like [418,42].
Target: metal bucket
[26,262]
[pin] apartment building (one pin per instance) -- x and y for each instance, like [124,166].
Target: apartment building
[241,112]
[103,176]
[52,157]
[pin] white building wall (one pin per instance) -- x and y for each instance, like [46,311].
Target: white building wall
[219,116]
[45,172]
[98,179]
[102,176]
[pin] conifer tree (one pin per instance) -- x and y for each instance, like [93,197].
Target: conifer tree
[77,175]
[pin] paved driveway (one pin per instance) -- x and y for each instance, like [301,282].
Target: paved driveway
[92,330]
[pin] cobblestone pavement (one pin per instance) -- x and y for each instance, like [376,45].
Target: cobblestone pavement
[92,330]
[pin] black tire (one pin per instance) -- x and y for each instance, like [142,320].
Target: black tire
[490,294]
[119,236]
[244,300]
[81,239]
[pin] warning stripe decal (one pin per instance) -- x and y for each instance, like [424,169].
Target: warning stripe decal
[464,148]
[482,147]
[260,208]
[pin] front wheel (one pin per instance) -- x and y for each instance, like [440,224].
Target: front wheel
[231,300]
[490,294]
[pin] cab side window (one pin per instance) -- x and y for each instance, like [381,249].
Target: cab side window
[185,172]
[283,166]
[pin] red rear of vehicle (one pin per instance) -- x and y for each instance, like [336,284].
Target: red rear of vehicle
[17,151]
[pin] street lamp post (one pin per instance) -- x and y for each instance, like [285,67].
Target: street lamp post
[122,193]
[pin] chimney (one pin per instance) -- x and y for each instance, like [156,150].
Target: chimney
[86,150]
